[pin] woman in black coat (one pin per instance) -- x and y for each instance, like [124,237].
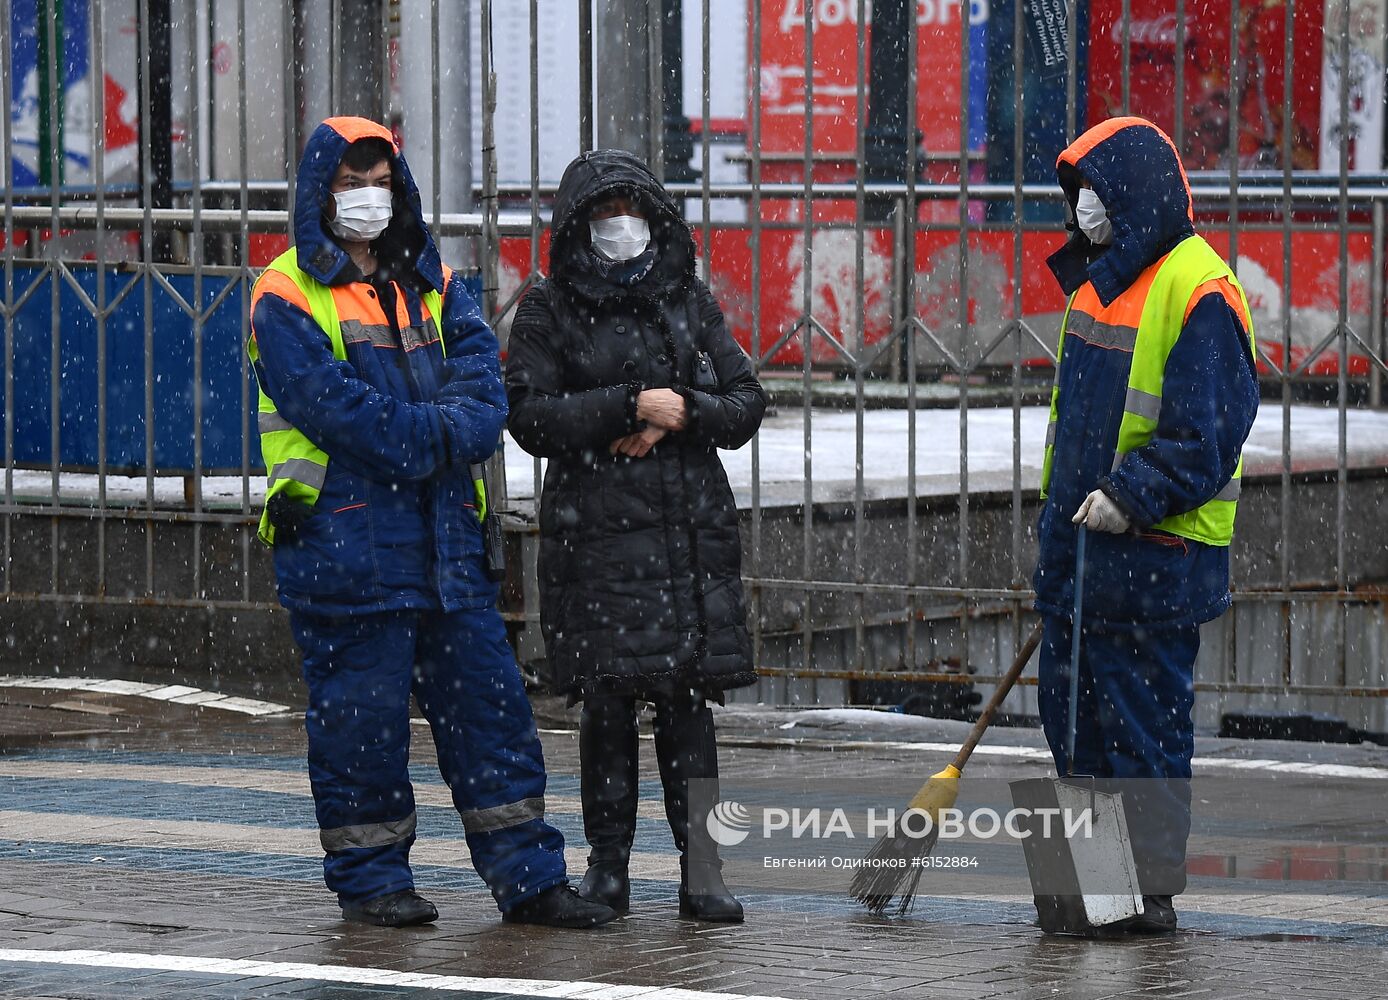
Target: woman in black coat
[621,372]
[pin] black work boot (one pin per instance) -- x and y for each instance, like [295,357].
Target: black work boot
[687,751]
[607,752]
[559,906]
[405,908]
[1158,916]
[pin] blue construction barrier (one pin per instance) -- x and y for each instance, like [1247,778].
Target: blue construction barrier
[172,343]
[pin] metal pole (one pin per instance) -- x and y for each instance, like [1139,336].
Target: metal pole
[677,144]
[435,96]
[888,131]
[585,75]
[359,73]
[626,81]
[156,129]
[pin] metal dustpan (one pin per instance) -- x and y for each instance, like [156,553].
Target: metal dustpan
[1083,874]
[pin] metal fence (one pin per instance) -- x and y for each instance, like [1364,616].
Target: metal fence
[181,240]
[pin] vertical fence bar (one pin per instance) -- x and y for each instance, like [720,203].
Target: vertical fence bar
[705,139]
[1342,373]
[193,143]
[1127,43]
[1235,122]
[807,348]
[1072,46]
[1285,512]
[243,276]
[534,143]
[1180,65]
[1375,332]
[490,247]
[754,336]
[7,139]
[907,216]
[860,334]
[56,153]
[1018,265]
[96,27]
[1235,71]
[965,368]
[147,266]
[436,116]
[291,76]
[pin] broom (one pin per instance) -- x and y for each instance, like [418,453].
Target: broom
[893,868]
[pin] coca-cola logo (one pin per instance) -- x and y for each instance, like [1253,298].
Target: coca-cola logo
[1152,31]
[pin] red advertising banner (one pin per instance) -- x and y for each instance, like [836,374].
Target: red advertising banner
[1209,59]
[835,85]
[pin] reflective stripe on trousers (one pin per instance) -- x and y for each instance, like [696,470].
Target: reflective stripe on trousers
[344,838]
[500,817]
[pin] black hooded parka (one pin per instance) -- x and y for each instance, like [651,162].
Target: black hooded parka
[640,558]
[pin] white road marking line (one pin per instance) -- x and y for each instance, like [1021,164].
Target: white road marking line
[178,693]
[359,976]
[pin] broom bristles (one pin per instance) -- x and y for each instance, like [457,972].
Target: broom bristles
[892,870]
[894,865]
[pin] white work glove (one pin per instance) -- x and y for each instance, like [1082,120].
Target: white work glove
[1099,513]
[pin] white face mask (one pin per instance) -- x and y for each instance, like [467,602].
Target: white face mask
[622,237]
[1093,218]
[362,213]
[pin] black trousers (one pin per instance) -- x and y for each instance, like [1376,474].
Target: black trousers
[686,753]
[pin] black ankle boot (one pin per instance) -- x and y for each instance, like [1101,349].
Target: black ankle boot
[705,896]
[606,882]
[688,752]
[607,748]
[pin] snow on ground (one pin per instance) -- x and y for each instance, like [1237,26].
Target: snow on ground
[833,453]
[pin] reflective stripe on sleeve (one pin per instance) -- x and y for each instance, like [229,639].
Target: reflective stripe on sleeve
[344,838]
[1144,404]
[269,421]
[503,816]
[301,470]
[1050,433]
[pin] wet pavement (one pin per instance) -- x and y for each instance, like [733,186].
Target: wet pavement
[150,847]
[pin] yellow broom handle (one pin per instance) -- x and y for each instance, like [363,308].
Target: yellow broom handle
[999,693]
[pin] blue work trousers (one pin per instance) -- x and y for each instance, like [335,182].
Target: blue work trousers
[361,672]
[1134,731]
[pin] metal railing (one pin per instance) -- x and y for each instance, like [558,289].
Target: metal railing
[65,245]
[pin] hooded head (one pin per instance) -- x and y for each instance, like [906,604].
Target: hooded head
[1134,169]
[406,242]
[597,176]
